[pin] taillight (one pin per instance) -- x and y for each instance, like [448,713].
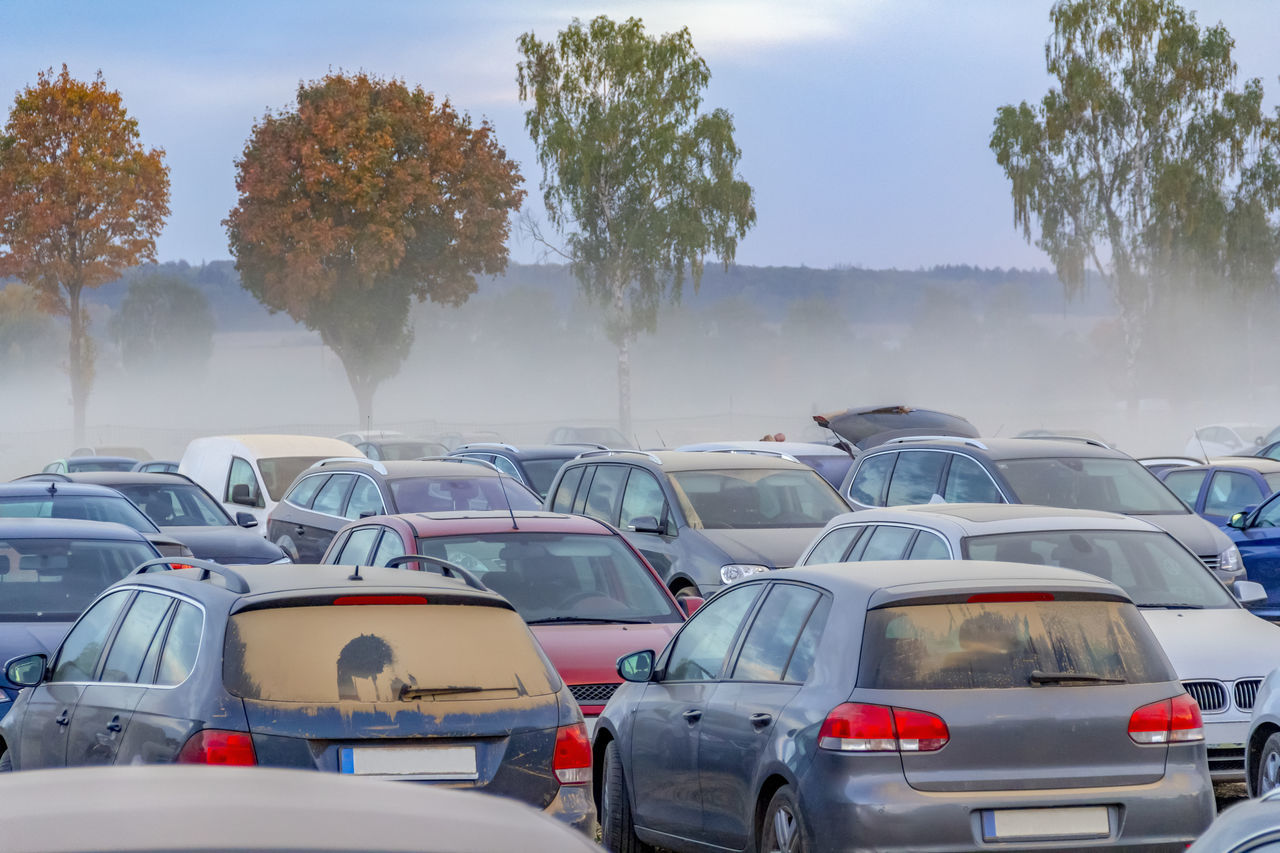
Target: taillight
[857,727]
[215,746]
[1175,720]
[572,762]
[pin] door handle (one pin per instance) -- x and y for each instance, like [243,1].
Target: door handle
[300,530]
[692,715]
[114,725]
[761,720]
[62,719]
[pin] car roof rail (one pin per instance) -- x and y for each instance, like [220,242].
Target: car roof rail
[447,569]
[235,581]
[905,439]
[463,460]
[606,452]
[339,460]
[472,444]
[592,444]
[45,475]
[1081,439]
[752,451]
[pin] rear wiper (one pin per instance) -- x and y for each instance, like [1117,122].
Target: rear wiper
[407,692]
[1041,677]
[1176,605]
[549,620]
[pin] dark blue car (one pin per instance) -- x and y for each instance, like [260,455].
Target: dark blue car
[1256,533]
[1223,487]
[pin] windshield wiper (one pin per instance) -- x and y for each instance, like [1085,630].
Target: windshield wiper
[407,692]
[1041,677]
[549,620]
[1175,605]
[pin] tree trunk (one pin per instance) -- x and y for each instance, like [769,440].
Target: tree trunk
[363,387]
[79,364]
[624,385]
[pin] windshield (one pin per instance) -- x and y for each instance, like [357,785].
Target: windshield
[545,575]
[541,472]
[177,505]
[462,493]
[1001,644]
[753,498]
[53,580]
[1152,567]
[115,508]
[1075,482]
[394,451]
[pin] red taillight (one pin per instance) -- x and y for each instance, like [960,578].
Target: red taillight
[1175,720]
[857,727]
[380,599]
[215,746]
[572,762]
[987,597]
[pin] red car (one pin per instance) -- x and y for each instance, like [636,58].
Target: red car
[588,596]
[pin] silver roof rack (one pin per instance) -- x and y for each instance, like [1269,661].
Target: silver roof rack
[463,460]
[1081,439]
[655,460]
[905,439]
[753,452]
[234,581]
[343,460]
[593,444]
[473,444]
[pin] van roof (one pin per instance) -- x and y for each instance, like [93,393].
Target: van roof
[269,445]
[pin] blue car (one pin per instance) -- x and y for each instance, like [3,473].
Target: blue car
[1224,487]
[1256,533]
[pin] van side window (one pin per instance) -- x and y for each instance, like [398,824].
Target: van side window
[241,474]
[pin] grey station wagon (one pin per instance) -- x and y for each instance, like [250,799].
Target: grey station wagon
[949,706]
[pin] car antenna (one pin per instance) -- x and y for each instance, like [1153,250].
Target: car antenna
[355,576]
[661,440]
[1203,452]
[53,488]
[506,498]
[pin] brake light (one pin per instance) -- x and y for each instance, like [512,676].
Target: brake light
[215,746]
[858,727]
[380,599]
[572,762]
[987,597]
[1175,720]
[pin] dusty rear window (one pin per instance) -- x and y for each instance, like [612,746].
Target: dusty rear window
[1008,644]
[381,653]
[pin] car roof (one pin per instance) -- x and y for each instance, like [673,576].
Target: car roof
[396,469]
[98,458]
[66,528]
[982,519]
[791,448]
[269,445]
[32,487]
[692,460]
[495,521]
[526,451]
[121,478]
[1260,464]
[1010,448]
[901,578]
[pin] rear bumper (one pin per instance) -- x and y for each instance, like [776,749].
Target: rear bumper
[882,812]
[1226,742]
[573,805]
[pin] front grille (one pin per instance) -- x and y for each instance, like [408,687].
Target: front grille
[1226,759]
[592,694]
[1247,693]
[1209,695]
[1211,561]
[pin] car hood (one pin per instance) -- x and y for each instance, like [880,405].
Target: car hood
[226,544]
[29,638]
[1202,537]
[1224,644]
[588,654]
[776,547]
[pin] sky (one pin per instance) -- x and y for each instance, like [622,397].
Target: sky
[863,123]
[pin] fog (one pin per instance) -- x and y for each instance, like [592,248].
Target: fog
[526,354]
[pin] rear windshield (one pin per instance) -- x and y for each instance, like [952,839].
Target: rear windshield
[86,507]
[85,466]
[449,494]
[756,498]
[395,451]
[382,653]
[53,580]
[1110,485]
[279,472]
[1003,644]
[542,471]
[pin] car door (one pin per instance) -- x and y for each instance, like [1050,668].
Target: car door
[1186,485]
[43,738]
[169,710]
[1230,492]
[315,527]
[106,705]
[644,502]
[1259,545]
[665,719]
[737,726]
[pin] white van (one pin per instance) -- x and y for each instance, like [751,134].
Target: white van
[250,473]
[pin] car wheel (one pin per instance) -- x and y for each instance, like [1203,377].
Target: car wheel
[1269,766]
[683,592]
[616,827]
[6,762]
[782,831]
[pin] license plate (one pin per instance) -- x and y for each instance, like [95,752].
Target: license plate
[426,762]
[1063,822]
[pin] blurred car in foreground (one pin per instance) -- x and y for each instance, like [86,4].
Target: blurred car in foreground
[1225,486]
[913,706]
[1252,826]
[1220,650]
[832,463]
[586,593]
[184,808]
[313,667]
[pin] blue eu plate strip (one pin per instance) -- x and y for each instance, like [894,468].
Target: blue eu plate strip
[346,761]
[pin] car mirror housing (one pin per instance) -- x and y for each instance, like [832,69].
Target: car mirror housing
[1238,520]
[1249,592]
[26,671]
[637,666]
[690,603]
[647,524]
[240,495]
[246,519]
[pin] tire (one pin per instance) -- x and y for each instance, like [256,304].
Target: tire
[783,831]
[6,762]
[617,829]
[1268,767]
[683,592]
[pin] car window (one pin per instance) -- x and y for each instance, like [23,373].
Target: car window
[109,507]
[1231,491]
[365,499]
[1269,514]
[358,545]
[506,466]
[916,476]
[54,580]
[181,645]
[541,472]
[835,545]
[643,498]
[580,499]
[305,490]
[332,494]
[766,650]
[278,473]
[137,631]
[929,546]
[389,547]
[176,504]
[241,473]
[78,657]
[885,542]
[567,489]
[806,649]
[969,482]
[370,450]
[754,498]
[868,483]
[1186,485]
[463,492]
[701,648]
[1085,482]
[606,492]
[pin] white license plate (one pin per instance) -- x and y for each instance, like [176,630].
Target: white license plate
[428,762]
[1063,822]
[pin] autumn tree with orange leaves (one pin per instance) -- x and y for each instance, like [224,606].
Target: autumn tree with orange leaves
[367,195]
[81,200]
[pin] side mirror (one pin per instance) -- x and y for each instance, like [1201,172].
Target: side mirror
[246,519]
[240,495]
[26,671]
[1249,592]
[690,603]
[637,666]
[1238,520]
[647,524]
[368,513]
